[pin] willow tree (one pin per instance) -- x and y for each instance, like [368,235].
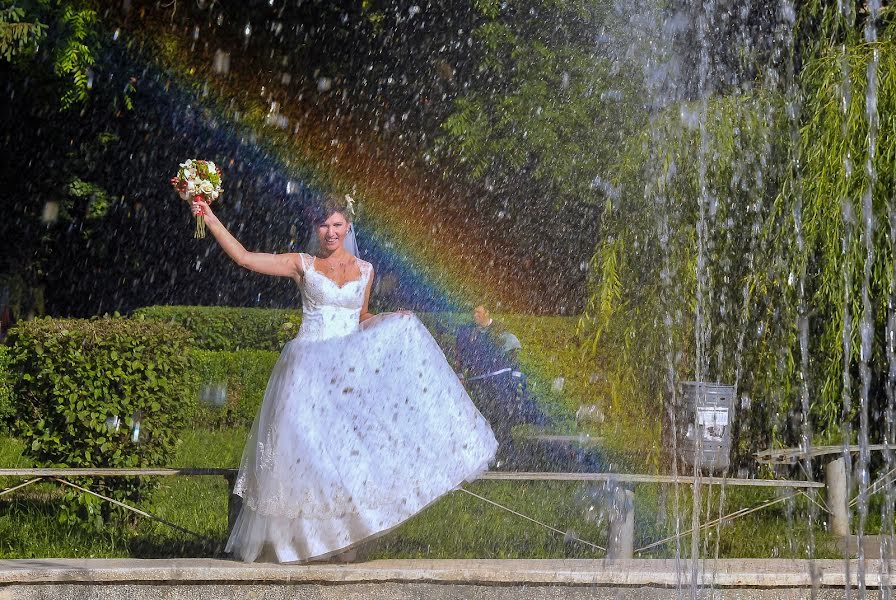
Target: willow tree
[754,244]
[693,192]
[848,141]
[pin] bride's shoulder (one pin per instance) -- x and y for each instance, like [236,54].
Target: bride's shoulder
[365,266]
[304,260]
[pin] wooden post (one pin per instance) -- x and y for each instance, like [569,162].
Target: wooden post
[837,493]
[621,541]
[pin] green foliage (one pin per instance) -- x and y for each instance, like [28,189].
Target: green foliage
[96,198]
[606,299]
[758,179]
[76,55]
[824,24]
[82,387]
[18,37]
[243,374]
[229,329]
[641,315]
[7,409]
[545,105]
[834,145]
[71,28]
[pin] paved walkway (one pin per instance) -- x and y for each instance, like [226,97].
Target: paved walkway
[638,572]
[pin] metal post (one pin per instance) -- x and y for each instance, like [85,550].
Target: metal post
[234,502]
[837,494]
[622,525]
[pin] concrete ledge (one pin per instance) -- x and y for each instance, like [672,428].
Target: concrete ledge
[745,573]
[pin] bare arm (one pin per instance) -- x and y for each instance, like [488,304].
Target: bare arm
[365,312]
[280,265]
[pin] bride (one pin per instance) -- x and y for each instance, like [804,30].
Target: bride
[363,423]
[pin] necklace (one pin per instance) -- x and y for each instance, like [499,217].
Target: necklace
[334,266]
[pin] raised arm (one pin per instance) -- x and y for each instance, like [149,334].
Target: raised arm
[280,265]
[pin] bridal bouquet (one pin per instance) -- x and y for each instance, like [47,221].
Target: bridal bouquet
[198,180]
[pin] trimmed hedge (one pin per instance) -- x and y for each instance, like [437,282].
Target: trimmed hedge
[242,376]
[6,407]
[550,350]
[229,329]
[79,388]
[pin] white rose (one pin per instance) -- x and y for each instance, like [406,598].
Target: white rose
[206,187]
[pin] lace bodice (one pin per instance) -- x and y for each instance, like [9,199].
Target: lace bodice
[330,310]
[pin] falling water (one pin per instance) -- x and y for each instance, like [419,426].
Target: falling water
[701,326]
[659,75]
[793,107]
[848,218]
[671,392]
[887,509]
[867,324]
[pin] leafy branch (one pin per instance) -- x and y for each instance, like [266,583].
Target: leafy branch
[75,57]
[18,37]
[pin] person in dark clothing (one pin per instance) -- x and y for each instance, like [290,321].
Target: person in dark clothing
[487,357]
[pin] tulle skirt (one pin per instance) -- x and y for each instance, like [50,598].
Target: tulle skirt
[355,435]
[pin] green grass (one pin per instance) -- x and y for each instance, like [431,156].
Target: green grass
[28,518]
[456,526]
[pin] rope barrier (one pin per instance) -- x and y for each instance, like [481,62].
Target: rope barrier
[565,534]
[20,486]
[871,488]
[136,510]
[730,517]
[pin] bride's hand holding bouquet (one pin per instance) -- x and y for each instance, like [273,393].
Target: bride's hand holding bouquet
[201,208]
[198,182]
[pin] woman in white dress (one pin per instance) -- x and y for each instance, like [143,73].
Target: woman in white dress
[363,423]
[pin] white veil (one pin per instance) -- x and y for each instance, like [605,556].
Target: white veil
[350,243]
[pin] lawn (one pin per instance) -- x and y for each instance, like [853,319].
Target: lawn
[457,526]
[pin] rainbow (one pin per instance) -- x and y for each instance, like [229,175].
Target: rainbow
[444,255]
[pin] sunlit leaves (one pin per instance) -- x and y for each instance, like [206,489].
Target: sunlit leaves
[18,36]
[75,56]
[97,200]
[640,314]
[82,386]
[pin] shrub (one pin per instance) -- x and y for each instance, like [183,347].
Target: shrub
[230,329]
[85,390]
[6,408]
[242,377]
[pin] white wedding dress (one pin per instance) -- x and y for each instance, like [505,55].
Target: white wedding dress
[360,428]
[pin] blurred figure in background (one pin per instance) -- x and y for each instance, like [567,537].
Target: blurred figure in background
[487,359]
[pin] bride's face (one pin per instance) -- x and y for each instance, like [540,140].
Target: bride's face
[331,233]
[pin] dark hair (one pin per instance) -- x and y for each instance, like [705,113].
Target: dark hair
[330,203]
